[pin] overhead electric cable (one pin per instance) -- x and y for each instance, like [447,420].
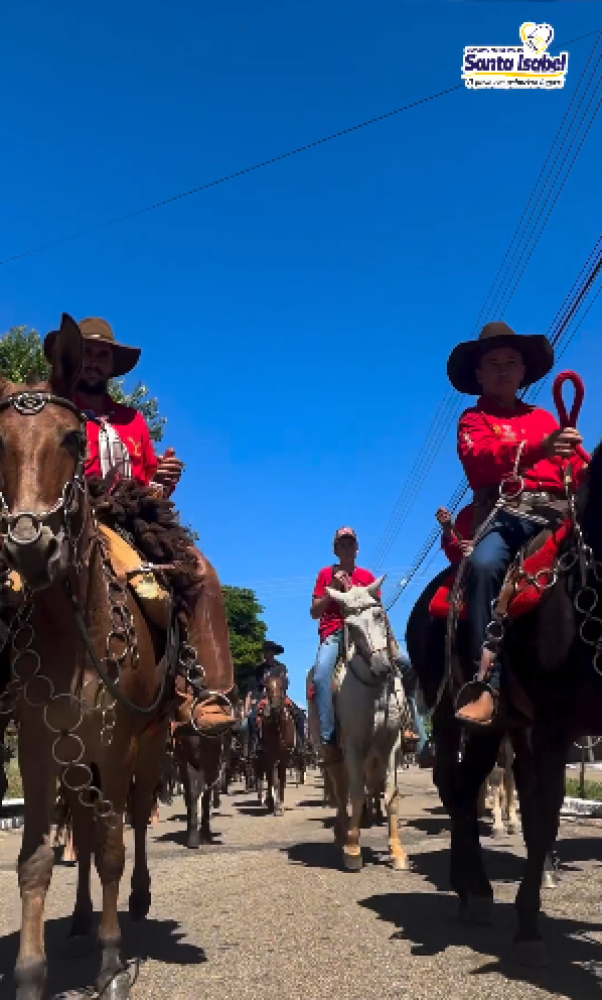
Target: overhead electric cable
[527,233]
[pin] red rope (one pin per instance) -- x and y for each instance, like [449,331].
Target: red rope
[570,419]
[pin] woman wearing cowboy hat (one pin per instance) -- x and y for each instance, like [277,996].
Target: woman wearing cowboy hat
[495,434]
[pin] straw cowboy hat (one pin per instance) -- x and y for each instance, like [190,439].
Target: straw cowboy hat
[535,349]
[94,328]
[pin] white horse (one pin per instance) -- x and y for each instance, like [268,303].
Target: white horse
[372,712]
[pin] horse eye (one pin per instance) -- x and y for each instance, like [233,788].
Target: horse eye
[73,440]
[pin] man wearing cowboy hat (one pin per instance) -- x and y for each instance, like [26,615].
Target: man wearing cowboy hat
[269,665]
[119,443]
[501,437]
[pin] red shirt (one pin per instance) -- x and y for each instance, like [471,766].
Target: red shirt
[331,621]
[449,543]
[488,440]
[133,431]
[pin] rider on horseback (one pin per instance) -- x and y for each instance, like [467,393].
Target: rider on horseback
[342,576]
[502,440]
[120,445]
[257,698]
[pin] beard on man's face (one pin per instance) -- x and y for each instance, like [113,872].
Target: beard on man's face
[97,387]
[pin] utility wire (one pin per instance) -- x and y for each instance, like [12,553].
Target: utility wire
[559,336]
[230,177]
[528,231]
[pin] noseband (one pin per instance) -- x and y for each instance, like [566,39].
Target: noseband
[29,404]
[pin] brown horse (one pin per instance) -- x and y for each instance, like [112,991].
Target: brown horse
[74,619]
[276,740]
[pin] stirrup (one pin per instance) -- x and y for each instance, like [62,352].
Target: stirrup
[470,693]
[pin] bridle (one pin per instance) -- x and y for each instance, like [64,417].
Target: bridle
[352,649]
[70,503]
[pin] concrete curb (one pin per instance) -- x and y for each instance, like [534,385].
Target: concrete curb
[581,807]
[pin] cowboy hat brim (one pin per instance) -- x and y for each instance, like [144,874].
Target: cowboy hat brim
[535,349]
[273,647]
[125,358]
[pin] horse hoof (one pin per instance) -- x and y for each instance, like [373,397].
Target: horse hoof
[81,924]
[352,862]
[30,980]
[400,864]
[279,811]
[477,910]
[514,828]
[549,880]
[206,837]
[497,832]
[531,954]
[139,905]
[114,984]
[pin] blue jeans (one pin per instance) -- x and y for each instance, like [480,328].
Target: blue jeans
[420,727]
[326,661]
[488,564]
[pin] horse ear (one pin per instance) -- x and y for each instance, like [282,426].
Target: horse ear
[373,588]
[67,357]
[336,595]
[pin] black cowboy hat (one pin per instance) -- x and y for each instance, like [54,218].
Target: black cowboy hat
[535,349]
[124,358]
[272,647]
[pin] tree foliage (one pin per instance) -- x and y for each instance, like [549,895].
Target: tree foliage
[247,633]
[22,357]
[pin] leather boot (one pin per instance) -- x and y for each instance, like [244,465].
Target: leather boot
[481,711]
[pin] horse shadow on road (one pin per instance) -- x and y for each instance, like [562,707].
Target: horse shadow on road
[430,921]
[73,964]
[328,855]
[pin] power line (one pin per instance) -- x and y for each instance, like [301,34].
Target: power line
[559,336]
[527,233]
[89,230]
[229,177]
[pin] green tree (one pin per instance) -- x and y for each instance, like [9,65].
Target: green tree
[22,357]
[247,633]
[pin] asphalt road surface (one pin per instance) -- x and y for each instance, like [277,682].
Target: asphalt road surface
[267,912]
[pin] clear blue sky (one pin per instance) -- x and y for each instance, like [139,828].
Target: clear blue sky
[295,322]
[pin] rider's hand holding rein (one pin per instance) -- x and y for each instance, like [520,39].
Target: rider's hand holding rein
[169,470]
[562,443]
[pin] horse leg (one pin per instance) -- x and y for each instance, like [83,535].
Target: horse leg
[540,779]
[497,791]
[281,768]
[513,821]
[206,836]
[270,766]
[354,764]
[482,799]
[458,785]
[82,836]
[215,795]
[149,759]
[36,858]
[193,789]
[397,855]
[116,777]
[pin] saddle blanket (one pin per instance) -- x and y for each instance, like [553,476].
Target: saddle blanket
[526,594]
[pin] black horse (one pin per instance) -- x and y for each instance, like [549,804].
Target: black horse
[551,695]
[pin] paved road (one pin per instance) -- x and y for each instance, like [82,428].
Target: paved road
[265,912]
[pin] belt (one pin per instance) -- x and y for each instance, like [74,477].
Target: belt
[538,506]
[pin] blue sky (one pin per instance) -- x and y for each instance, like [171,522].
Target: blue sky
[295,322]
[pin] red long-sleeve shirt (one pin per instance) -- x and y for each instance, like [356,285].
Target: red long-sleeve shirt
[135,434]
[488,439]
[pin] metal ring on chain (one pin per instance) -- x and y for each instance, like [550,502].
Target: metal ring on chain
[579,603]
[597,623]
[40,678]
[567,560]
[91,790]
[71,699]
[552,576]
[72,784]
[21,674]
[67,761]
[23,628]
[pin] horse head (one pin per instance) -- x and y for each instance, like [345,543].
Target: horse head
[275,692]
[42,452]
[368,626]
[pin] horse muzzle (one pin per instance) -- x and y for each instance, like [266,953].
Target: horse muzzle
[380,664]
[33,550]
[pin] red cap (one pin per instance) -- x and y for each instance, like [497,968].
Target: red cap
[345,533]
